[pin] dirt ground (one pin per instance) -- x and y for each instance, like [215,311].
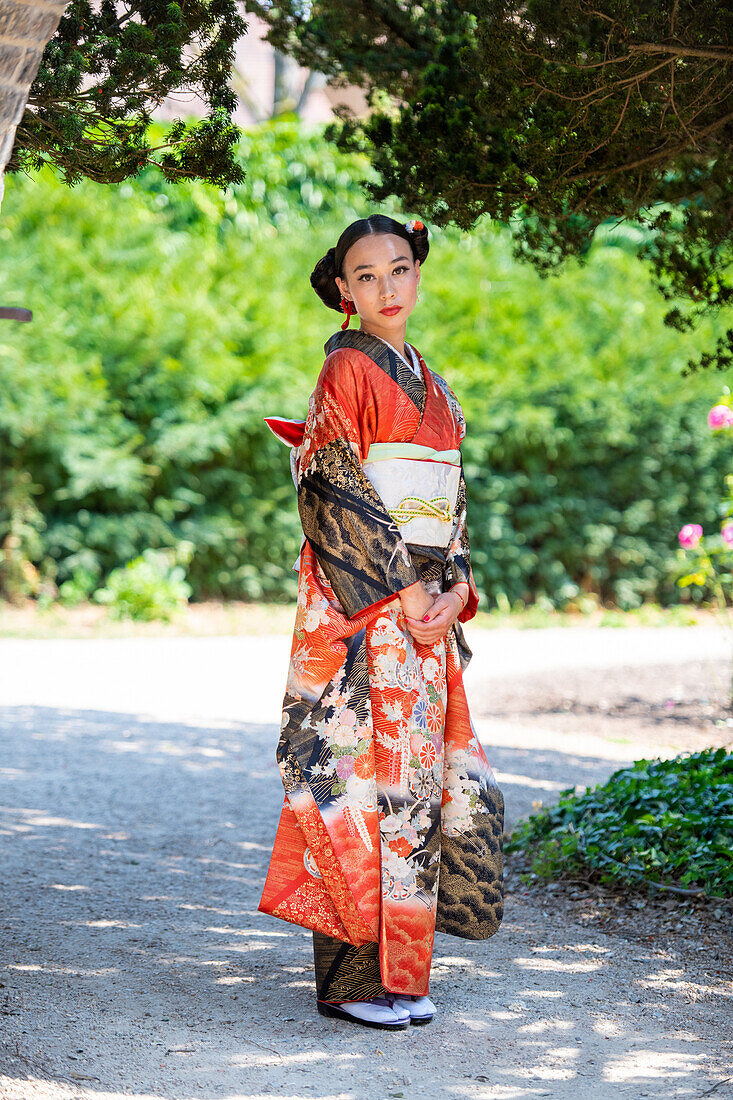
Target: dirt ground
[138,802]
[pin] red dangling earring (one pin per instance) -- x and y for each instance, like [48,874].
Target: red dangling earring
[349,309]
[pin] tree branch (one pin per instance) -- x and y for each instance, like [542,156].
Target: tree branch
[663,154]
[681,51]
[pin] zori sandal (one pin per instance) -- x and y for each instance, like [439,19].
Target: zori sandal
[421,1009]
[381,1012]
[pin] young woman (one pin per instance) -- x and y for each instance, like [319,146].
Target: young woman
[392,821]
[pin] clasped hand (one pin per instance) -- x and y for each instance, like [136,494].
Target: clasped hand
[440,612]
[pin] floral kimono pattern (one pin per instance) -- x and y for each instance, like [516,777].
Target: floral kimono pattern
[392,821]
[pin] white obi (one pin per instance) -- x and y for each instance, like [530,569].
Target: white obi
[419,487]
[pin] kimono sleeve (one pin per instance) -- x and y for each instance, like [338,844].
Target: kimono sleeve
[355,540]
[459,555]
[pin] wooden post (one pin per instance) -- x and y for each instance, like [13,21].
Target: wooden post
[15,313]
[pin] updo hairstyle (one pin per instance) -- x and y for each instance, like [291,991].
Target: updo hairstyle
[323,276]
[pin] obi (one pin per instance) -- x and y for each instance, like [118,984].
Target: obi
[419,488]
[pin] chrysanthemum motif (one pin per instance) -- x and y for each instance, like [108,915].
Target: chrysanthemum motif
[413,224]
[427,754]
[434,718]
[420,713]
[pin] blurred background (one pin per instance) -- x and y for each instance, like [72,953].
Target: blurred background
[168,320]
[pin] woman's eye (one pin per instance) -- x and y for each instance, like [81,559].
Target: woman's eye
[368,276]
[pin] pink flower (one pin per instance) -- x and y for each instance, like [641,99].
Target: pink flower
[690,535]
[720,416]
[344,766]
[416,742]
[727,532]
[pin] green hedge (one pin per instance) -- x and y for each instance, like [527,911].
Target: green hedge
[168,320]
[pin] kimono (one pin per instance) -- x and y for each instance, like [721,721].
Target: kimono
[392,821]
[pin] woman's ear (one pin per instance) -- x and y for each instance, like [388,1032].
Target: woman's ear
[342,286]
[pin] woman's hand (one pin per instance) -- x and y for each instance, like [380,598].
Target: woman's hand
[416,601]
[440,618]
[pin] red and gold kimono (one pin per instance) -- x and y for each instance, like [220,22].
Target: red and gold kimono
[392,821]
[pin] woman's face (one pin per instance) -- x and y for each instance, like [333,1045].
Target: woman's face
[380,273]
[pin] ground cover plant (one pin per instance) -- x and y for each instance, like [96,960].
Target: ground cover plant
[660,825]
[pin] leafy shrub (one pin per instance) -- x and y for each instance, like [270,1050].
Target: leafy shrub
[658,823]
[149,587]
[701,551]
[78,587]
[173,318]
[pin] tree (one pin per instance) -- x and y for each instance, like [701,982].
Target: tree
[108,66]
[553,116]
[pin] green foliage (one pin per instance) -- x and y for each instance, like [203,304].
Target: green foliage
[701,552]
[552,118]
[168,320]
[106,68]
[660,822]
[150,587]
[78,588]
[294,183]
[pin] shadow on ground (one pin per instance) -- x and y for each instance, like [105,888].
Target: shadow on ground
[135,959]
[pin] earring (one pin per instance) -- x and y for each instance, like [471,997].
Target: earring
[348,308]
[418,292]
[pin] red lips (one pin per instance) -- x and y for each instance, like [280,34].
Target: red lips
[390,310]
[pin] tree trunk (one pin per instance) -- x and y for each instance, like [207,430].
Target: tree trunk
[25,29]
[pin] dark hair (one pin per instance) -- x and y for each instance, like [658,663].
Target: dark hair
[323,276]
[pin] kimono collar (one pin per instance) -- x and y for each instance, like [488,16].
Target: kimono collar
[361,341]
[384,357]
[437,427]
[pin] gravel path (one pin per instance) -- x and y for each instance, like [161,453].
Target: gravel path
[138,811]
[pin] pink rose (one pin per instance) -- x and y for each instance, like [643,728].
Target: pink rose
[720,416]
[727,532]
[690,535]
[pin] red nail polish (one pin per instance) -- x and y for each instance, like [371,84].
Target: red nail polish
[426,618]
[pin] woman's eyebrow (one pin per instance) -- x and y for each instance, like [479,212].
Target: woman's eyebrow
[372,265]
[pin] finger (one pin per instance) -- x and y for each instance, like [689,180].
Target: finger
[429,637]
[420,631]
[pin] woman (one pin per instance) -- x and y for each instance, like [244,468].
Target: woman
[392,821]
